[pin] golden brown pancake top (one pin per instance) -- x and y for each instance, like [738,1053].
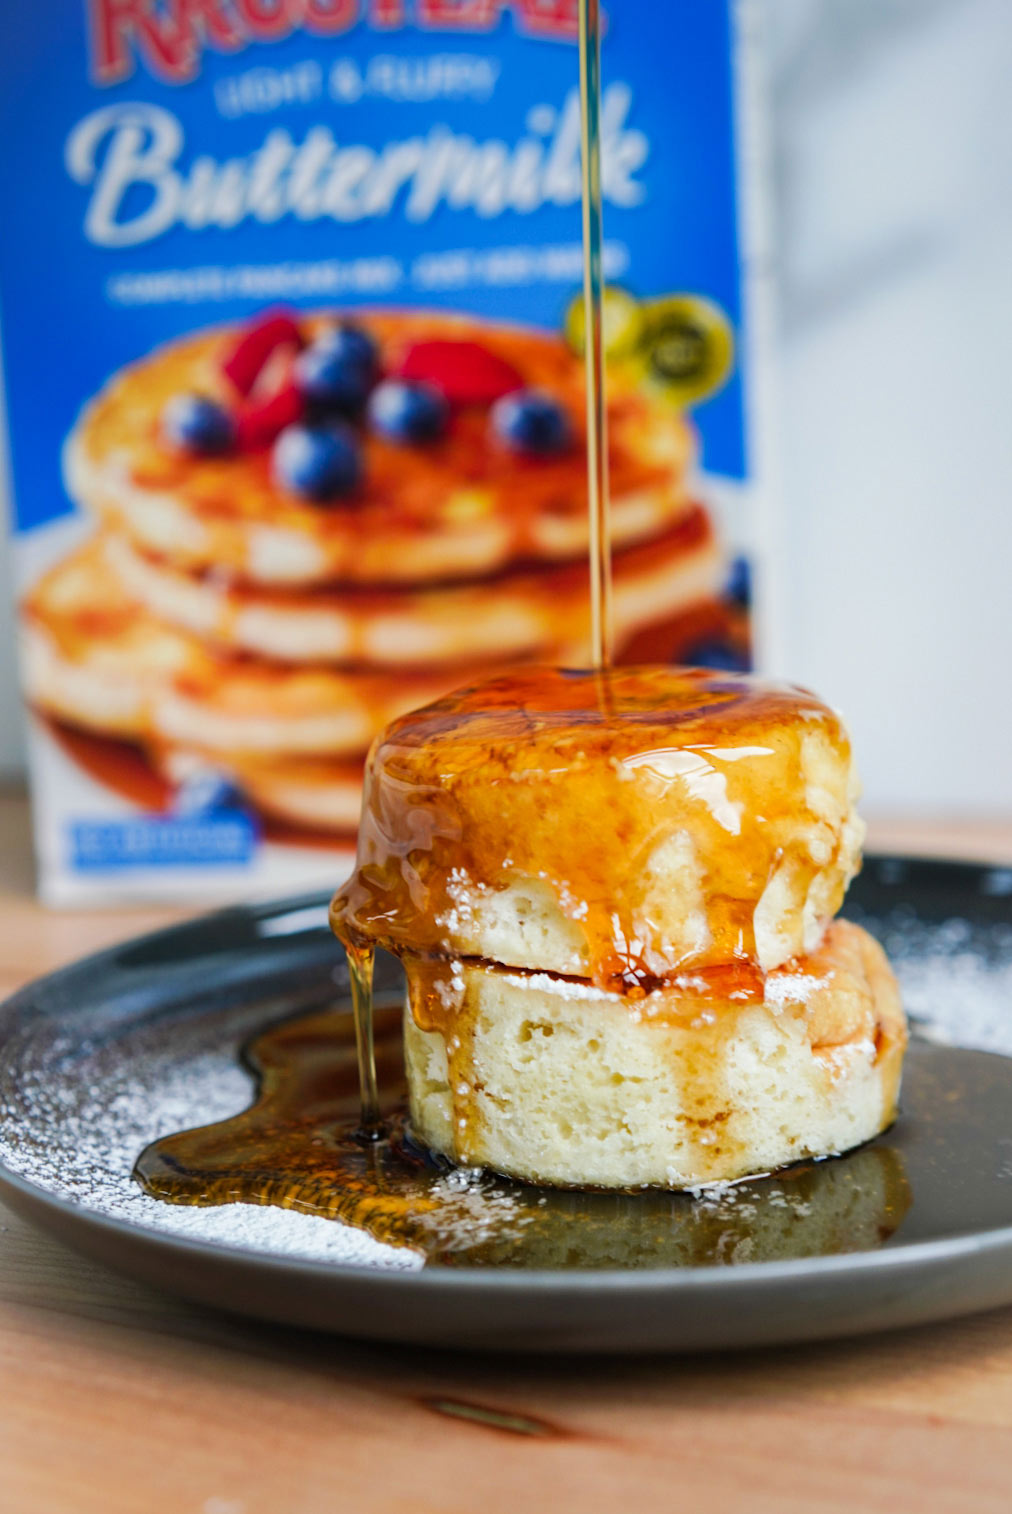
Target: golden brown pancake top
[577,778]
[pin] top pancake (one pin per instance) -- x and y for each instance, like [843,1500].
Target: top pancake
[456,508]
[624,826]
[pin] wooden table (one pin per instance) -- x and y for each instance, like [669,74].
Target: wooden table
[116,1400]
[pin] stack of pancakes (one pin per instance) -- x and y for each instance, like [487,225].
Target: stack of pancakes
[217,621]
[614,896]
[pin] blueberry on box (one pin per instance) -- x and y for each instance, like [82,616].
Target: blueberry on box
[351,343]
[714,652]
[197,424]
[206,792]
[406,412]
[319,462]
[739,583]
[337,371]
[532,422]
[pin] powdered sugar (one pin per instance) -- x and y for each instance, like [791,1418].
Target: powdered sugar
[955,977]
[792,988]
[79,1115]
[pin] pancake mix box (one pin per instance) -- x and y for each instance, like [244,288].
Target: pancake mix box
[292,343]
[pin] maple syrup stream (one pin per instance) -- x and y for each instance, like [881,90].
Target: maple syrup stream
[597,416]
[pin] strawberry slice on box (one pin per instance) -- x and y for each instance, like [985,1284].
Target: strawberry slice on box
[261,420]
[244,364]
[465,372]
[259,366]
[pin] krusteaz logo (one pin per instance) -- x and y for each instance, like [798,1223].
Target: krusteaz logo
[168,37]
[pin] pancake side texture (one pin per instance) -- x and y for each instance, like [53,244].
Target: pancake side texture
[558,1082]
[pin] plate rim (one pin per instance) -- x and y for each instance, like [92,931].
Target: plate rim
[544,1280]
[29,1195]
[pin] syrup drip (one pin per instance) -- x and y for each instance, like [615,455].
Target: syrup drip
[299,1146]
[361,965]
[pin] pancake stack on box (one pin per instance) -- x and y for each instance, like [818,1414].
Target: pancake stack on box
[308,525]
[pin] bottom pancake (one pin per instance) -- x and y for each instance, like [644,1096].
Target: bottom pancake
[554,1081]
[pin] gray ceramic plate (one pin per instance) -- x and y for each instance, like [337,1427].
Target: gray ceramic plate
[100,1059]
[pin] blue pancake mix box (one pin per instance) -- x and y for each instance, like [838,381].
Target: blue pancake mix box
[292,336]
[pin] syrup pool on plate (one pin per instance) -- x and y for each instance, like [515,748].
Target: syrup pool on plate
[299,1147]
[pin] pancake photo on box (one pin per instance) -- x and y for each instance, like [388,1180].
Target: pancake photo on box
[306,525]
[614,893]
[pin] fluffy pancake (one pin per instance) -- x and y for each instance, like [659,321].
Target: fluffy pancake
[557,1081]
[516,615]
[94,658]
[456,508]
[618,827]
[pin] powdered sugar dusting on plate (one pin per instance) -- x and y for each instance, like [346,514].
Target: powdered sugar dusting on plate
[80,1114]
[955,977]
[77,1110]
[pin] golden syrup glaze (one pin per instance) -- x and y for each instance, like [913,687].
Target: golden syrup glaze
[577,778]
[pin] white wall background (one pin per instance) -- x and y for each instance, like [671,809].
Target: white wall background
[892,125]
[892,158]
